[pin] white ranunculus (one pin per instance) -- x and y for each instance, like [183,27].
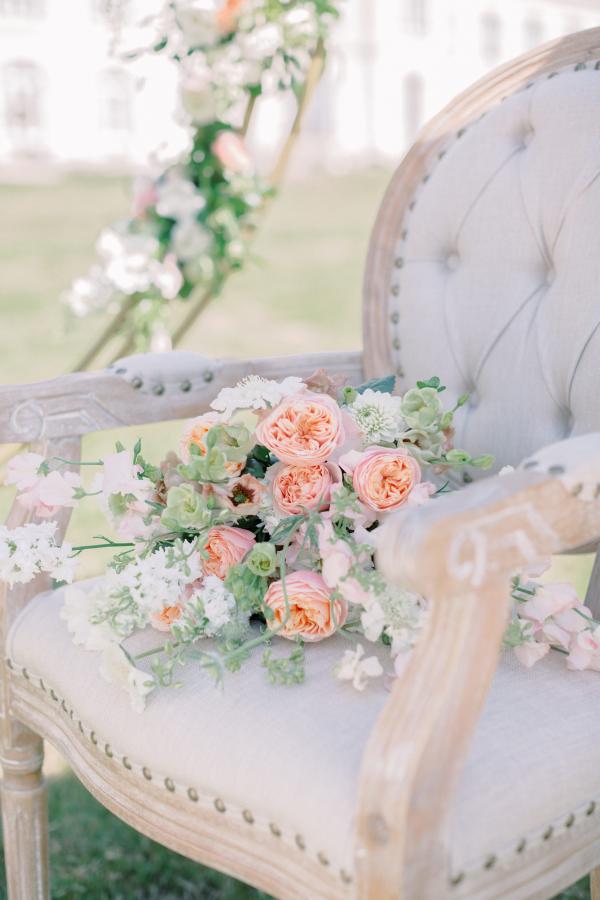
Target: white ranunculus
[189,239]
[177,197]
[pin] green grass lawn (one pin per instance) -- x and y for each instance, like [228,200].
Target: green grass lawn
[302,293]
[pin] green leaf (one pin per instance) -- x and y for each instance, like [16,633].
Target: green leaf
[382,385]
[433,382]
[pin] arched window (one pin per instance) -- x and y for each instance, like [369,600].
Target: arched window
[413,90]
[115,101]
[415,16]
[22,89]
[533,30]
[491,38]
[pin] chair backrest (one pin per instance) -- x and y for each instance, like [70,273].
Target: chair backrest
[484,264]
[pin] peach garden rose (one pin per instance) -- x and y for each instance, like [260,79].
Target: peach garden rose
[225,547]
[384,477]
[310,613]
[296,488]
[304,429]
[196,431]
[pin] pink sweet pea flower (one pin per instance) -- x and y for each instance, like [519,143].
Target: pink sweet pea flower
[51,493]
[231,152]
[584,652]
[530,652]
[549,600]
[22,471]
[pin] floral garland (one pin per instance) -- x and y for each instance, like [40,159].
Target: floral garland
[189,227]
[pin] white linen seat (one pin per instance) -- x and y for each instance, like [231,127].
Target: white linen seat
[287,758]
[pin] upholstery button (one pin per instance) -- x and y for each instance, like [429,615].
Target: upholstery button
[453,261]
[473,400]
[550,275]
[527,136]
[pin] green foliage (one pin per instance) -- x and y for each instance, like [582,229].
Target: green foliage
[382,385]
[285,670]
[247,587]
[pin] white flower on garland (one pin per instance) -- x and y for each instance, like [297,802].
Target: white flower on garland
[127,258]
[116,669]
[177,197]
[190,240]
[256,392]
[357,668]
[378,416]
[91,293]
[30,550]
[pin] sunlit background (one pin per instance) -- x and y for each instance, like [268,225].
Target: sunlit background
[77,123]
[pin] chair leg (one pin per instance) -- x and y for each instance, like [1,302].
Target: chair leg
[595,884]
[24,816]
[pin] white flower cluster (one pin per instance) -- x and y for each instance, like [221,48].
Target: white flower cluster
[157,580]
[30,550]
[378,416]
[218,604]
[255,392]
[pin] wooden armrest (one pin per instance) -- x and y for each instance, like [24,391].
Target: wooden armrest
[459,552]
[152,387]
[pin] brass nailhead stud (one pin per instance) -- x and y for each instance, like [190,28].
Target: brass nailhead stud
[192,794]
[521,845]
[396,343]
[570,821]
[457,879]
[64,706]
[442,154]
[490,862]
[108,751]
[556,470]
[460,132]
[399,262]
[412,205]
[552,74]
[395,318]
[186,386]
[300,842]
[548,833]
[395,290]
[53,694]
[322,859]
[219,805]
[579,66]
[93,737]
[170,784]
[591,809]
[597,492]
[208,375]
[26,675]
[158,389]
[126,763]
[136,382]
[275,829]
[147,774]
[9,663]
[577,490]
[42,685]
[120,370]
[597,66]
[530,464]
[248,817]
[400,372]
[346,878]
[404,234]
[426,178]
[80,726]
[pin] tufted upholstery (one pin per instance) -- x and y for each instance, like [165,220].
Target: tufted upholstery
[495,282]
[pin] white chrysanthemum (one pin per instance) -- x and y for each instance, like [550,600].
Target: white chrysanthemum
[31,549]
[116,669]
[255,392]
[378,416]
[357,668]
[218,604]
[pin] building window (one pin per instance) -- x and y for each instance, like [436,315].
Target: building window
[21,9]
[415,16]
[22,88]
[115,101]
[491,35]
[414,92]
[533,32]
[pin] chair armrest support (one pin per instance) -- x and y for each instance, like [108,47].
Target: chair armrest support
[460,553]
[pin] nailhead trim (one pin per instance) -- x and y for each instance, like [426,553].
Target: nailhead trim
[399,261]
[185,386]
[169,783]
[490,862]
[158,389]
[137,382]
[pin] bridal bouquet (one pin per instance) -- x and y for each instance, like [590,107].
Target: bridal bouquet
[263,525]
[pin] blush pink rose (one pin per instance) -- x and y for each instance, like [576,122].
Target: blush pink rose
[231,152]
[304,429]
[296,488]
[383,478]
[310,615]
[225,547]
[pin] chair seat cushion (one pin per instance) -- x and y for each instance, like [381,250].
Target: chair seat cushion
[291,755]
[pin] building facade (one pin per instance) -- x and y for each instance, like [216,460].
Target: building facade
[66,101]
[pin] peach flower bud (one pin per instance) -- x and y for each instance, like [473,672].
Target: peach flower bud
[304,429]
[196,431]
[228,15]
[226,547]
[296,488]
[310,615]
[383,478]
[231,152]
[163,620]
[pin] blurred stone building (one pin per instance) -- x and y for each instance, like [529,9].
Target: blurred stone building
[65,101]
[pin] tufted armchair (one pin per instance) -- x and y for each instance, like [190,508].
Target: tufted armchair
[471,778]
